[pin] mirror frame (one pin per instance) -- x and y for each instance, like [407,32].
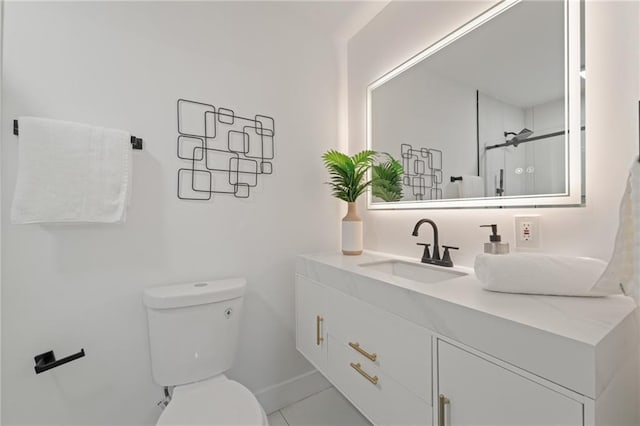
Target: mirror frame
[573,170]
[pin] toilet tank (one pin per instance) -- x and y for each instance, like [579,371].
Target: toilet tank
[193,329]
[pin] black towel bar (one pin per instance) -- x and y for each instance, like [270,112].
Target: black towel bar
[455,178]
[47,361]
[136,143]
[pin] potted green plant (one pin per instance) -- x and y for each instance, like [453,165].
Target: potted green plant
[348,181]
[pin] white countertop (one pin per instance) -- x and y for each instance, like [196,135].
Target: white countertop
[576,342]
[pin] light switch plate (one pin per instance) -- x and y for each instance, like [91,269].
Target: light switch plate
[527,232]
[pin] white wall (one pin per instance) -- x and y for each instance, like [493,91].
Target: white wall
[124,65]
[404,28]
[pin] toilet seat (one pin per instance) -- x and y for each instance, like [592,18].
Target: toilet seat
[214,401]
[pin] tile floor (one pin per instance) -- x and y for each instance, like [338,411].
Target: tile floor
[326,408]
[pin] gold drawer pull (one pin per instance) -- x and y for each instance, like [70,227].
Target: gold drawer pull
[443,401]
[356,346]
[319,337]
[373,379]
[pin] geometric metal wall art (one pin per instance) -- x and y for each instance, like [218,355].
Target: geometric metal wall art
[422,171]
[225,152]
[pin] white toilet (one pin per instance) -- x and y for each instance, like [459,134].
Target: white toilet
[193,333]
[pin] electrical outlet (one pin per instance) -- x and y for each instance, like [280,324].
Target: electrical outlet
[527,232]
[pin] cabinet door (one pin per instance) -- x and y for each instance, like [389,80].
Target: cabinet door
[480,392]
[311,336]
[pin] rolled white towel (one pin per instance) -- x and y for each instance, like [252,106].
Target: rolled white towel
[540,274]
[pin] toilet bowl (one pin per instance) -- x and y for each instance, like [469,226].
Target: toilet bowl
[217,401]
[193,333]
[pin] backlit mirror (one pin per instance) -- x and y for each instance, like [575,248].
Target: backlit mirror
[491,115]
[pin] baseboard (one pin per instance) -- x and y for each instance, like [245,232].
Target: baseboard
[293,390]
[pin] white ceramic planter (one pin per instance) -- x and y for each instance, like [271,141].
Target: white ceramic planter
[352,232]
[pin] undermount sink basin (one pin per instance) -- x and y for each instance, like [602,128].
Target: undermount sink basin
[413,271]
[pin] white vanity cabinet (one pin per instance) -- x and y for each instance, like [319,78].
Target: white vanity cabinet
[383,364]
[475,391]
[451,353]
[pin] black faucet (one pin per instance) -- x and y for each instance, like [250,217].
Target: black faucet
[436,249]
[435,258]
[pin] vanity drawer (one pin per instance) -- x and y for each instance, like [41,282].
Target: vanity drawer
[385,402]
[379,339]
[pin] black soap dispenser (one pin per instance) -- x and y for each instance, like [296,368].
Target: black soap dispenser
[495,246]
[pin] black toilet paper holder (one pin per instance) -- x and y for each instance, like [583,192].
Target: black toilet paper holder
[47,360]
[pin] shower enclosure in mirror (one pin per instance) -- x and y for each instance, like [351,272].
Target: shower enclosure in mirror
[491,115]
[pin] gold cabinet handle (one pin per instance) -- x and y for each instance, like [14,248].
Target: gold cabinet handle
[357,367]
[442,402]
[319,337]
[356,346]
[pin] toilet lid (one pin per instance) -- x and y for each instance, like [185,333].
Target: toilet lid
[213,403]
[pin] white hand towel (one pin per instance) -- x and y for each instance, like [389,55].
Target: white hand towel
[471,187]
[539,274]
[625,260]
[71,173]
